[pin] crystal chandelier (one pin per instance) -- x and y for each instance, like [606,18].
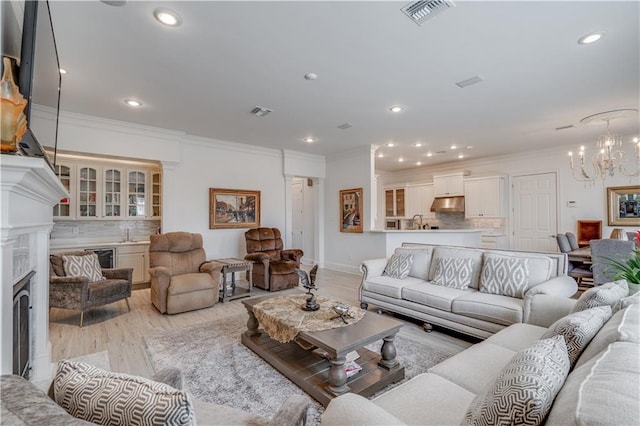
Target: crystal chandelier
[609,159]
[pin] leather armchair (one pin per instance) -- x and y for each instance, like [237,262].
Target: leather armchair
[181,278]
[77,293]
[273,267]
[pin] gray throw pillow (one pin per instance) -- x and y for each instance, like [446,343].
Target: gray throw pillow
[103,397]
[454,272]
[605,294]
[578,329]
[524,391]
[398,265]
[83,266]
[508,276]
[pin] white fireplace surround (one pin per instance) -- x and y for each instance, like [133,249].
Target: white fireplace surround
[29,190]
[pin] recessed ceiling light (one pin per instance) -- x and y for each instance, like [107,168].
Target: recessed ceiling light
[167,17]
[309,140]
[380,155]
[591,37]
[635,140]
[391,144]
[469,147]
[133,103]
[419,163]
[417,144]
[429,154]
[453,147]
[63,71]
[396,108]
[460,155]
[400,160]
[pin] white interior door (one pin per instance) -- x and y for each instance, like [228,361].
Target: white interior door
[535,212]
[297,214]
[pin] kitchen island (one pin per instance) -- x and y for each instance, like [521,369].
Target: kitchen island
[449,237]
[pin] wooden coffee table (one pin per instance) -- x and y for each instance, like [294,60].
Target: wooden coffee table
[324,377]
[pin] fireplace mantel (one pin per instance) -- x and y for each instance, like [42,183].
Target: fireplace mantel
[28,191]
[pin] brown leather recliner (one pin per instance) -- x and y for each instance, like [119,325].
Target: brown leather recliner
[273,267]
[181,278]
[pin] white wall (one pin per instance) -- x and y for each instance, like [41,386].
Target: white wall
[591,202]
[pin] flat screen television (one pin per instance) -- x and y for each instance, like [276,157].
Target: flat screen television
[39,80]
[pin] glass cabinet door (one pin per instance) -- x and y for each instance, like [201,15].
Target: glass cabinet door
[63,208]
[156,195]
[136,195]
[112,193]
[87,192]
[400,202]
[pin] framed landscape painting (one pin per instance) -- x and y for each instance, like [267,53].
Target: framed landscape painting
[623,205]
[233,208]
[351,210]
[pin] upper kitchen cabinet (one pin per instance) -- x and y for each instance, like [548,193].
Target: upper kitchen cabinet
[419,200]
[451,185]
[394,202]
[108,190]
[65,208]
[485,197]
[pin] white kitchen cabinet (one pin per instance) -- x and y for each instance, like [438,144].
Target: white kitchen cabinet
[495,242]
[88,196]
[65,209]
[113,185]
[134,256]
[394,202]
[419,200]
[449,185]
[485,197]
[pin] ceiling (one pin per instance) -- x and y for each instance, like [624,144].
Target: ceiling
[206,75]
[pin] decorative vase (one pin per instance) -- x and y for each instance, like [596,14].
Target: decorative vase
[13,123]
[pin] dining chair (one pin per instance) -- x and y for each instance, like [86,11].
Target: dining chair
[601,250]
[573,240]
[577,270]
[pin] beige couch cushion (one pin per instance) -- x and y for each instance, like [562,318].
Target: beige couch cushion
[607,387]
[421,261]
[459,253]
[187,283]
[524,390]
[517,336]
[624,326]
[503,310]
[426,400]
[436,296]
[476,367]
[387,286]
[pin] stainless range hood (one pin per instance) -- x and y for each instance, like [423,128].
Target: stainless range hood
[448,204]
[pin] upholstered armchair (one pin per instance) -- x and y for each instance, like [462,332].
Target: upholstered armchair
[273,267]
[181,278]
[77,282]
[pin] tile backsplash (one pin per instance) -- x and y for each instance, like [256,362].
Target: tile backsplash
[457,221]
[104,230]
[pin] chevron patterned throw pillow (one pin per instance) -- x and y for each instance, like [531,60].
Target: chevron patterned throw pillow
[107,398]
[525,389]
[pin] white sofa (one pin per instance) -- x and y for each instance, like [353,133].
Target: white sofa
[603,388]
[468,311]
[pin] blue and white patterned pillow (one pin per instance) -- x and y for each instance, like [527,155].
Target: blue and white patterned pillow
[524,391]
[508,276]
[398,265]
[578,329]
[454,272]
[83,266]
[99,396]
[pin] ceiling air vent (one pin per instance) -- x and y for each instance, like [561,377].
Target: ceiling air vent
[420,11]
[468,82]
[344,126]
[260,111]
[570,126]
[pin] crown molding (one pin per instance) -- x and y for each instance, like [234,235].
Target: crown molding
[230,146]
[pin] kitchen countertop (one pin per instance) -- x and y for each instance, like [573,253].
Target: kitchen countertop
[426,231]
[79,243]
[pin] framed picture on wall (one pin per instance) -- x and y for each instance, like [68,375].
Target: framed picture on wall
[351,210]
[623,205]
[233,208]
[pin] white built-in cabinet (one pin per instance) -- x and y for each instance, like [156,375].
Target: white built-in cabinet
[108,191]
[136,257]
[485,197]
[451,185]
[394,202]
[419,200]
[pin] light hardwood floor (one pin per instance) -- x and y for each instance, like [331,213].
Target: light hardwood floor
[111,328]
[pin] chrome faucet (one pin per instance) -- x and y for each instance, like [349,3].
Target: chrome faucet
[413,219]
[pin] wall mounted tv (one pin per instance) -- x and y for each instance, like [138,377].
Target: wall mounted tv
[39,80]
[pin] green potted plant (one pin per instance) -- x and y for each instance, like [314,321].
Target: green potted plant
[629,269]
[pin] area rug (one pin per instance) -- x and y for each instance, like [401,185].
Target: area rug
[217,368]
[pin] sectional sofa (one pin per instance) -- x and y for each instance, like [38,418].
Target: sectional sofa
[582,369]
[471,290]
